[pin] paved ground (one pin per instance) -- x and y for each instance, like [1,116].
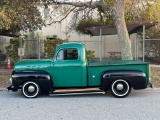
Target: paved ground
[139,105]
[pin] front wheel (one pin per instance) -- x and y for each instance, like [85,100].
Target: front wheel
[120,88]
[30,89]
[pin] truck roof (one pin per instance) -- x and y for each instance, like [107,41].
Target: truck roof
[71,44]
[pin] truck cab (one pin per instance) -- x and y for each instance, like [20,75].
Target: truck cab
[69,70]
[69,66]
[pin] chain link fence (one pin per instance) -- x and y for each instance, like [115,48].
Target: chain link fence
[3,43]
[152,51]
[36,49]
[33,49]
[151,54]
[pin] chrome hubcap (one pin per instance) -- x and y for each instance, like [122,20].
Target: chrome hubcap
[119,86]
[31,88]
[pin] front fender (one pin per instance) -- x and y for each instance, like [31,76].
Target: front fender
[136,79]
[42,78]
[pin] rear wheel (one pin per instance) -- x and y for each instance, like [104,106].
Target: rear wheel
[120,88]
[30,89]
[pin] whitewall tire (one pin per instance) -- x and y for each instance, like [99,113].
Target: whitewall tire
[30,89]
[120,88]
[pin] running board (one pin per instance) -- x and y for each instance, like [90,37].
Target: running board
[77,93]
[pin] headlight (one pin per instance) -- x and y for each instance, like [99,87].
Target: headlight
[10,80]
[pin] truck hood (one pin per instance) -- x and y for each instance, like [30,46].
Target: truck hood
[32,64]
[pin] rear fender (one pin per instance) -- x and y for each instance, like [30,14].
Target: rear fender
[136,79]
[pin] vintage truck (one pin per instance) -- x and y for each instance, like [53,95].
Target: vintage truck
[69,73]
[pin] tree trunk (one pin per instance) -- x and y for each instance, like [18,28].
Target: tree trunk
[119,20]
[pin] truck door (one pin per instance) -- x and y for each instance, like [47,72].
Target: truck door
[67,68]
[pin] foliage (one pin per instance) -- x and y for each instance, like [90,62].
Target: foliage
[147,11]
[12,49]
[90,22]
[19,15]
[133,14]
[50,45]
[2,57]
[90,55]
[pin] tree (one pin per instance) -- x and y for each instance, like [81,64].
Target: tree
[147,13]
[115,7]
[116,10]
[119,21]
[19,15]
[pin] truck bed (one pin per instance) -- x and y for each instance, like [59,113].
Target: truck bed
[115,62]
[95,69]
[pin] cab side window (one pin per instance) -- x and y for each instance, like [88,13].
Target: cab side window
[68,54]
[60,55]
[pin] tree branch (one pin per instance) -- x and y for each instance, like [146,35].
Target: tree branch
[63,17]
[90,4]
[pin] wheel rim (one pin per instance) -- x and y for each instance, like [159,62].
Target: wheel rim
[30,89]
[120,88]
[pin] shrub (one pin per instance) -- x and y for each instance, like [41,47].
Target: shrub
[90,55]
[50,45]
[12,49]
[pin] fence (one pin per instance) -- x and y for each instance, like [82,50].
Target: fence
[152,51]
[3,56]
[32,49]
[36,49]
[39,49]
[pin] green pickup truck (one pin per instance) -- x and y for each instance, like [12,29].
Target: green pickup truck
[69,73]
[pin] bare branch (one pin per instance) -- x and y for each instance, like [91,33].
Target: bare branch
[63,17]
[90,4]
